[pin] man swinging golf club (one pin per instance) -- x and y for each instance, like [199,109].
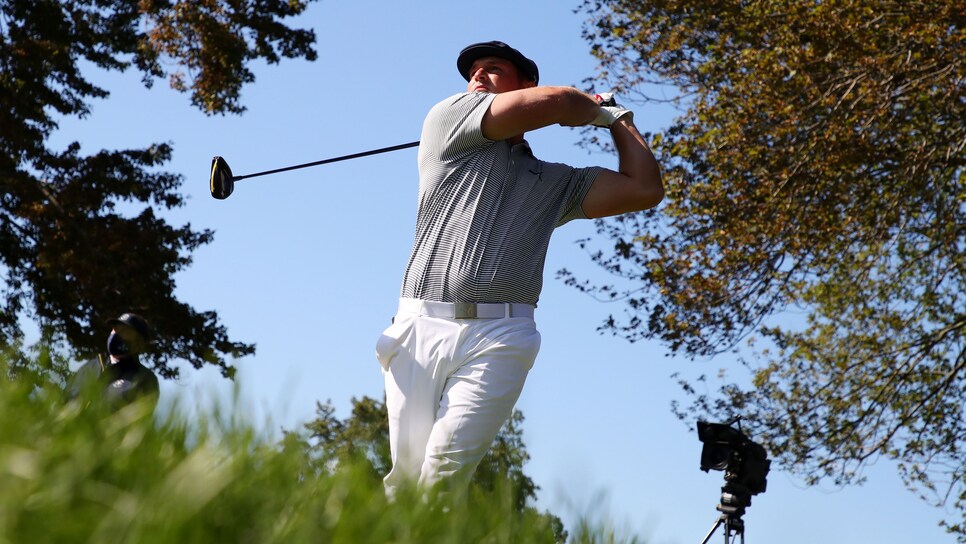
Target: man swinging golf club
[464,338]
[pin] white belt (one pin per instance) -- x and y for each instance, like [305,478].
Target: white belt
[465,310]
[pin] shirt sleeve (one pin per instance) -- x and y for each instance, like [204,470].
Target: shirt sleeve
[582,180]
[453,128]
[83,378]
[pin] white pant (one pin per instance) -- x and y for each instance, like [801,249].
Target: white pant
[450,386]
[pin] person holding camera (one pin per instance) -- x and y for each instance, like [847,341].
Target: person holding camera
[119,373]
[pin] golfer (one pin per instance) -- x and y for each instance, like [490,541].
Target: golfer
[464,338]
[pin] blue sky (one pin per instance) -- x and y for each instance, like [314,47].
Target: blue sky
[307,265]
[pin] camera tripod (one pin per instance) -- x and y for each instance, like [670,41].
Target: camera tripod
[733,527]
[734,500]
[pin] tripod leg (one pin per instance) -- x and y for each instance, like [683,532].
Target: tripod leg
[737,527]
[711,532]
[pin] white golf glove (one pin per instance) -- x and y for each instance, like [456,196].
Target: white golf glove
[610,111]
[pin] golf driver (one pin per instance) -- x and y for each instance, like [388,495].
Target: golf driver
[222,182]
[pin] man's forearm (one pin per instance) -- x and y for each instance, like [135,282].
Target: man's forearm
[514,113]
[579,109]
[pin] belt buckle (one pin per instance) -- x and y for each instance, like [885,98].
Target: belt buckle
[464,310]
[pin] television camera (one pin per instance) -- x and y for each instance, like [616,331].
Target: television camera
[745,464]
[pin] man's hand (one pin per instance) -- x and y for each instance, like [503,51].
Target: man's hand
[610,111]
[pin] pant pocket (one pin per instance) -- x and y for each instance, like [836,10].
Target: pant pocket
[516,339]
[530,348]
[391,339]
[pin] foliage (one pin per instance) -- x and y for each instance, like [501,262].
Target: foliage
[363,437]
[80,238]
[73,475]
[816,166]
[362,440]
[37,364]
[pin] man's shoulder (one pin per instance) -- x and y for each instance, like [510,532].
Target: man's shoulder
[83,377]
[92,365]
[454,126]
[145,372]
[462,100]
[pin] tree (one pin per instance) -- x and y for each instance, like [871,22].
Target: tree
[80,238]
[816,166]
[364,436]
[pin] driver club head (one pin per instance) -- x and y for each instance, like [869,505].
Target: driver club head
[222,183]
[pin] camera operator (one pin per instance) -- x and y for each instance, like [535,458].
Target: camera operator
[119,375]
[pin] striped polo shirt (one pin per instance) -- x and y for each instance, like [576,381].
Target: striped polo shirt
[486,210]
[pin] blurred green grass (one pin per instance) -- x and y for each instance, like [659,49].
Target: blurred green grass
[72,472]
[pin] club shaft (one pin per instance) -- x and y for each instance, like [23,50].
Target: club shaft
[326,161]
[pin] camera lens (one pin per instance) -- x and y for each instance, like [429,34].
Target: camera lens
[716,457]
